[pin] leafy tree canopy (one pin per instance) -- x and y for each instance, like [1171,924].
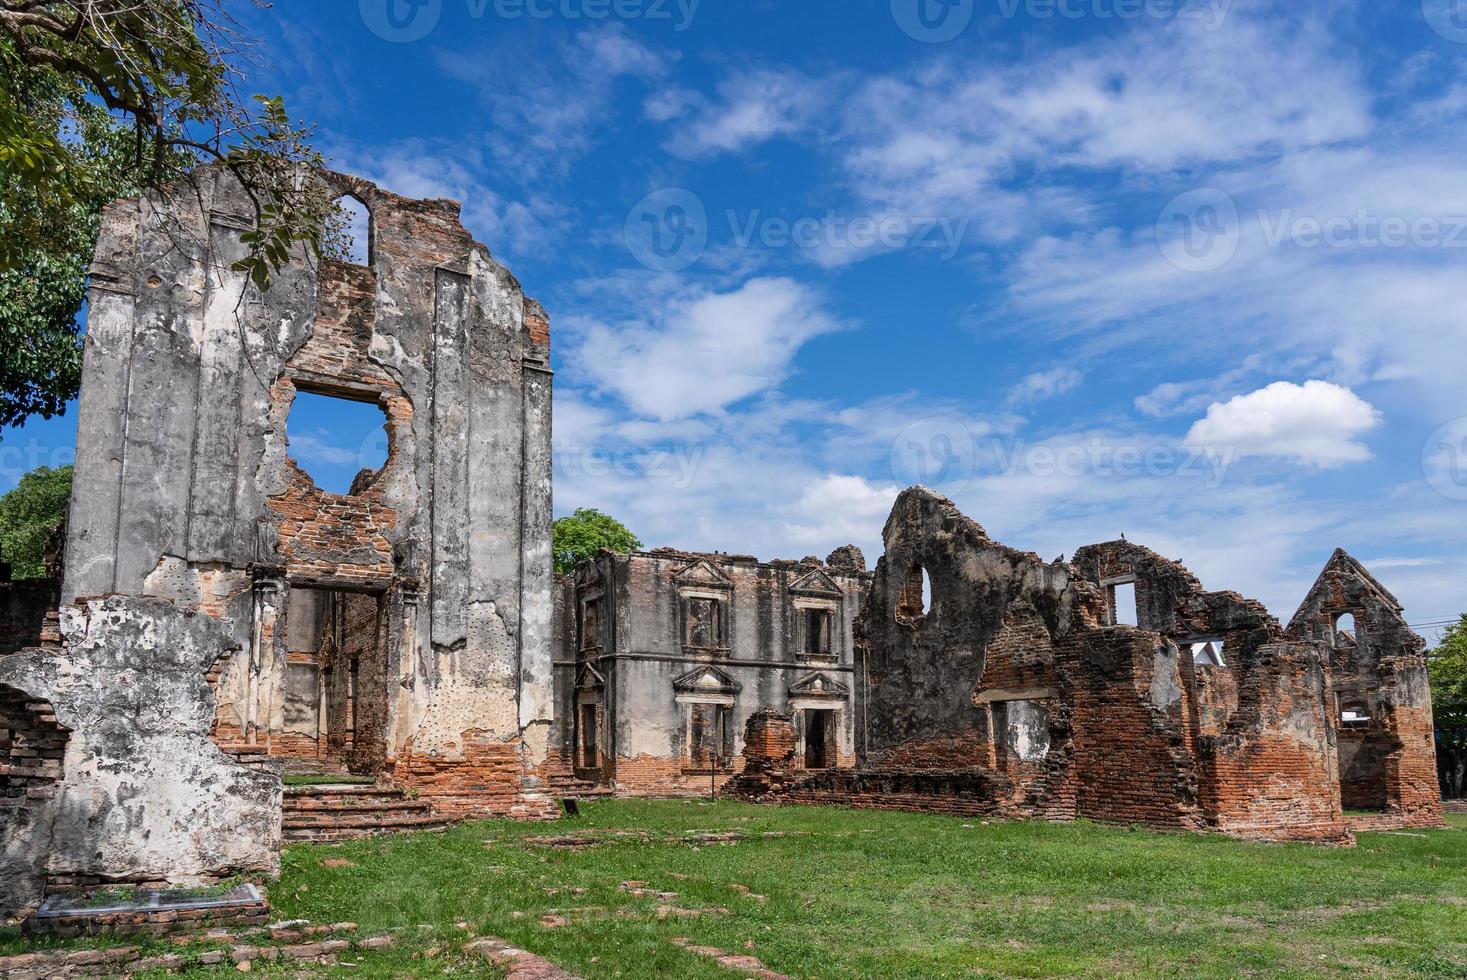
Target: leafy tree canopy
[1447,665]
[101,99]
[581,535]
[28,514]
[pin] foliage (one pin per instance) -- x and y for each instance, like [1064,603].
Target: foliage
[105,98]
[28,514]
[583,534]
[1447,665]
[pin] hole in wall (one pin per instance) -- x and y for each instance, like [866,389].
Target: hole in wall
[348,234]
[1123,607]
[337,442]
[1344,632]
[915,600]
[1355,714]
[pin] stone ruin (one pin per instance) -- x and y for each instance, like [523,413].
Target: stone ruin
[214,598]
[219,612]
[663,655]
[996,683]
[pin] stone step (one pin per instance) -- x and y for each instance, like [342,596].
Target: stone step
[342,790]
[354,827]
[361,820]
[310,807]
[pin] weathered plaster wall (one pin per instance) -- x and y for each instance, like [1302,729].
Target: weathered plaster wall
[144,794]
[635,661]
[185,479]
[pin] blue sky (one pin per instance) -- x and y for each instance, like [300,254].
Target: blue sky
[1192,271]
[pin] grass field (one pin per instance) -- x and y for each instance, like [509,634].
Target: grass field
[862,894]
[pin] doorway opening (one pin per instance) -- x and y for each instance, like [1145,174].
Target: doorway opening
[820,732]
[336,688]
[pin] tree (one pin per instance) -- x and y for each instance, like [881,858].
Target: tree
[28,514]
[1447,666]
[105,98]
[583,534]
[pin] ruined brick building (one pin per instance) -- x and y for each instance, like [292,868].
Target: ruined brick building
[217,602]
[989,681]
[664,655]
[403,627]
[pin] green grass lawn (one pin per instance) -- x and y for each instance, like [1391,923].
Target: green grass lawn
[864,894]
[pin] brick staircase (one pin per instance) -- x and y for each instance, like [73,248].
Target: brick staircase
[562,784]
[348,812]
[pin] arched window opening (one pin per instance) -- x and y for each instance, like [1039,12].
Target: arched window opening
[348,233]
[915,600]
[339,443]
[1344,630]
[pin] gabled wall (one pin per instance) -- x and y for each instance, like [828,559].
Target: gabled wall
[1387,764]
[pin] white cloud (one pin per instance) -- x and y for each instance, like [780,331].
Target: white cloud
[849,509]
[702,351]
[317,447]
[1044,385]
[951,137]
[1316,423]
[751,107]
[549,116]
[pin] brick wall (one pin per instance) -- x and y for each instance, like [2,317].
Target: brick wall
[1131,761]
[23,609]
[32,750]
[488,780]
[1270,773]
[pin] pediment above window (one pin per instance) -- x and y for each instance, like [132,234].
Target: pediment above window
[703,574]
[707,680]
[818,685]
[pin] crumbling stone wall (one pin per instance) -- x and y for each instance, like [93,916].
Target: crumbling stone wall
[667,654]
[1272,770]
[32,746]
[185,486]
[1387,760]
[1014,691]
[142,794]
